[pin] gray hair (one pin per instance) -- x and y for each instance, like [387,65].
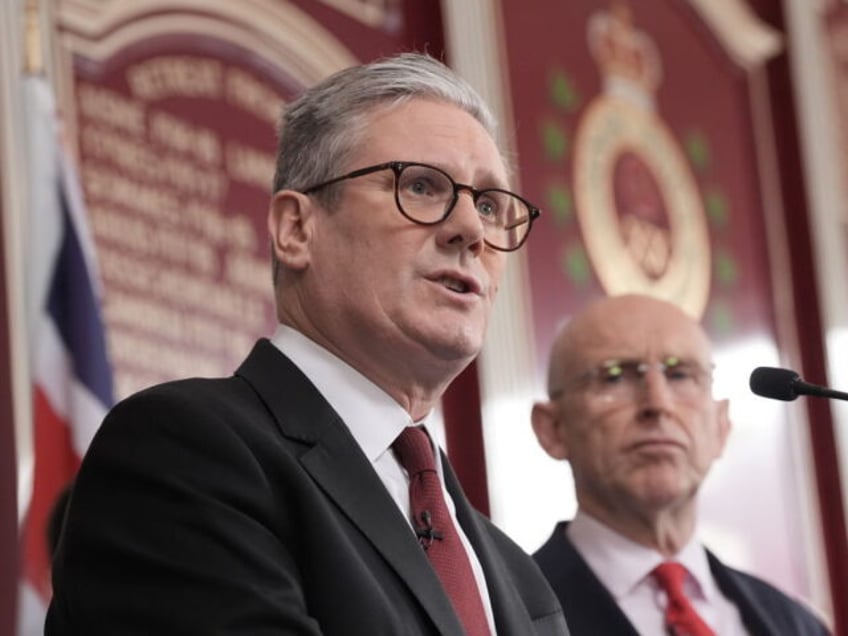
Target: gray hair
[323,126]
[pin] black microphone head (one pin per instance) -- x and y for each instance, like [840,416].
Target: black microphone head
[771,382]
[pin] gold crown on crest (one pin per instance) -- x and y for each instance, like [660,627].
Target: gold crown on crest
[628,59]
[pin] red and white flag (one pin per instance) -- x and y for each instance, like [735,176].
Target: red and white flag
[71,374]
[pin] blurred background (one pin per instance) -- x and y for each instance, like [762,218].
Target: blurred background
[696,150]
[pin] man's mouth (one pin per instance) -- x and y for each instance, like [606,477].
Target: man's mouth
[454,284]
[656,443]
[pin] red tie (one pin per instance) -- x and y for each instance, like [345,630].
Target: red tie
[681,619]
[436,532]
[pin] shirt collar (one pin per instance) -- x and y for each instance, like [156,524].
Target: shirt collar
[694,557]
[622,565]
[374,418]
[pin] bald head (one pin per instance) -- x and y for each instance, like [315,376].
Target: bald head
[630,326]
[641,439]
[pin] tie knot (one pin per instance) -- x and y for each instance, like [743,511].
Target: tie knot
[680,616]
[414,451]
[670,576]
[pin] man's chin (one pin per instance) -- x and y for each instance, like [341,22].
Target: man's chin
[452,341]
[458,349]
[661,488]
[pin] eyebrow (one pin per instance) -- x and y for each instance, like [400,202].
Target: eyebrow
[489,178]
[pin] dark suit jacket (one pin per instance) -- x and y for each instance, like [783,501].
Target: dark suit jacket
[244,506]
[592,610]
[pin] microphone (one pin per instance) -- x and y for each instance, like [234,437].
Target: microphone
[785,384]
[427,534]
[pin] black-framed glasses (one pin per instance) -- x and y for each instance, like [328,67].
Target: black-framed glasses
[427,195]
[621,380]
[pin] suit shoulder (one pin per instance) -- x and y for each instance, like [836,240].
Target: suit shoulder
[781,608]
[503,541]
[525,573]
[188,391]
[183,413]
[222,395]
[189,396]
[556,554]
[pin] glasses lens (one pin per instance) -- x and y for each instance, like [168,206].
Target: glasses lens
[427,195]
[617,380]
[506,218]
[685,377]
[424,193]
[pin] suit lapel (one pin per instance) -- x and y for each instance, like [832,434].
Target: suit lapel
[510,613]
[335,461]
[588,605]
[339,467]
[755,617]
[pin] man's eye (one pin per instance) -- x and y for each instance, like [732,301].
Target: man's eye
[487,207]
[420,187]
[679,373]
[611,375]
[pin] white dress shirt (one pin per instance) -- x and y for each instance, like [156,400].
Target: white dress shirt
[624,567]
[375,420]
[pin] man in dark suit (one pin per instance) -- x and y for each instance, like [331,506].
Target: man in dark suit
[631,409]
[276,501]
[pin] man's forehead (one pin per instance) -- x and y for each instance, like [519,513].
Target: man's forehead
[459,144]
[643,350]
[641,330]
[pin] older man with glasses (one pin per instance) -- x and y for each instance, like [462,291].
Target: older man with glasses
[307,493]
[631,409]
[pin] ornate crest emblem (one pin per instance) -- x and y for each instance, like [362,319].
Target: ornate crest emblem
[639,208]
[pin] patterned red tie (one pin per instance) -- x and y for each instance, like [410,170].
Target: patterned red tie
[681,619]
[436,532]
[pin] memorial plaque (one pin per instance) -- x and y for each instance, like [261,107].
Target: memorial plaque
[174,118]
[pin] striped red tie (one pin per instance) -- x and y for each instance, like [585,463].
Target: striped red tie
[681,619]
[436,532]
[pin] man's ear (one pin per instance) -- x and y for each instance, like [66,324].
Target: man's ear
[723,423]
[548,430]
[291,226]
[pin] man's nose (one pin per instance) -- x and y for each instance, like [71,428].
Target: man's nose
[654,394]
[464,225]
